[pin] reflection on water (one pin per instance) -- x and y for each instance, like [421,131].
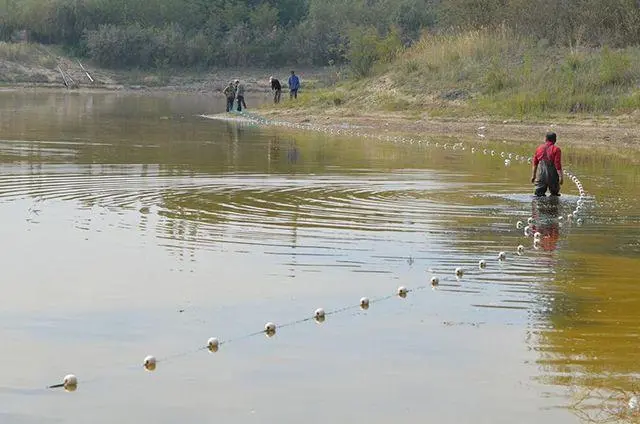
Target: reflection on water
[545,212]
[134,227]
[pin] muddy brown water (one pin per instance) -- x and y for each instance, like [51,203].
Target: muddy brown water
[132,226]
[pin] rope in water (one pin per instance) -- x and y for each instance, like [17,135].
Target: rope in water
[150,363]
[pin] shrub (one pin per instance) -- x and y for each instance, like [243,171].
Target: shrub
[412,66]
[615,67]
[496,80]
[366,48]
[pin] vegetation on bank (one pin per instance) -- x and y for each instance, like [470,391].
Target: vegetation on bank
[203,33]
[501,57]
[491,72]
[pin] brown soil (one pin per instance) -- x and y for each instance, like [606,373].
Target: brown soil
[620,134]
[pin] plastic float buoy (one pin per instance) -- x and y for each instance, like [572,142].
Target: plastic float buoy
[70,383]
[270,329]
[213,344]
[150,363]
[319,315]
[402,292]
[364,303]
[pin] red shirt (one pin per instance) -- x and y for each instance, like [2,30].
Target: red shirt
[548,151]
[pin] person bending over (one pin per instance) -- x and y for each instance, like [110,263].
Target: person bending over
[230,94]
[276,87]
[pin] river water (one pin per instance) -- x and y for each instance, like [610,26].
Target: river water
[131,226]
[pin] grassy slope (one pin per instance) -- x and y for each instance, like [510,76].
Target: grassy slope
[492,74]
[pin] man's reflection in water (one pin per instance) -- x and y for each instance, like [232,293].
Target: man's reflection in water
[273,153]
[293,154]
[545,211]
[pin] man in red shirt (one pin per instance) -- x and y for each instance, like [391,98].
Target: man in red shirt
[547,167]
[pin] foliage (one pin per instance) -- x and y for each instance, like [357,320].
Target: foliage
[185,33]
[498,72]
[188,33]
[366,48]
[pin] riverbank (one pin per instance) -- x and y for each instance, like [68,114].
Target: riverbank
[498,74]
[419,93]
[488,85]
[30,65]
[620,135]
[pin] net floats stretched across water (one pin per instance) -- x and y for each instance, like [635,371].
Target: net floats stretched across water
[70,381]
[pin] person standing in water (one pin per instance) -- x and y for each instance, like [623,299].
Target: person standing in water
[547,167]
[276,87]
[240,95]
[230,94]
[294,85]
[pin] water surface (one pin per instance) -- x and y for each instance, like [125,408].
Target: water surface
[132,226]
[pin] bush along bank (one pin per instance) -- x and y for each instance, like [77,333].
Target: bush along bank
[494,72]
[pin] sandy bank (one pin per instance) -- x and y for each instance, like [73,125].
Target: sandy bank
[620,134]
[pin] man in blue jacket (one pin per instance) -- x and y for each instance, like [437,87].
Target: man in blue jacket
[294,85]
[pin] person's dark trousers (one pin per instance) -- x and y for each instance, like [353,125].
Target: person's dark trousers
[241,103]
[541,189]
[229,104]
[294,94]
[547,178]
[276,96]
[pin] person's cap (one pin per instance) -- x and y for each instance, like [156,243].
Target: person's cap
[551,136]
[237,81]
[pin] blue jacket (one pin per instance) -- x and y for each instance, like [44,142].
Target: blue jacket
[294,82]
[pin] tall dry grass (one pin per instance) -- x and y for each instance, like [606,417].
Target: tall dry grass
[502,73]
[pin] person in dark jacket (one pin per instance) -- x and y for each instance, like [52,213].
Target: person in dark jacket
[547,167]
[240,95]
[294,85]
[230,94]
[276,88]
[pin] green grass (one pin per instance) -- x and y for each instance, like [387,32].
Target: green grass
[496,73]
